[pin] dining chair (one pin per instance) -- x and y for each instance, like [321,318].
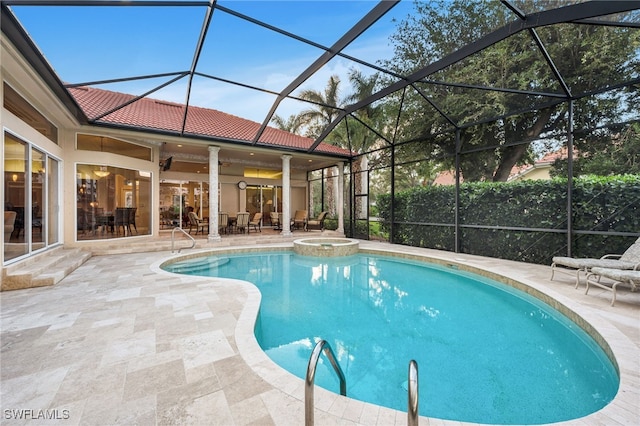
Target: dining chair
[223,222]
[242,222]
[121,219]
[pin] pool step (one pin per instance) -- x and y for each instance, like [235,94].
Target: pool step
[44,269]
[199,264]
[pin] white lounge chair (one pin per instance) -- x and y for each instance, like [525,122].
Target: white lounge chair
[628,260]
[619,276]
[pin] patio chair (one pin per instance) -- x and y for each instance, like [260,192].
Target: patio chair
[619,277]
[199,224]
[318,222]
[628,260]
[223,222]
[242,222]
[255,222]
[299,220]
[275,220]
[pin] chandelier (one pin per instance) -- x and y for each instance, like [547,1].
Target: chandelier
[102,172]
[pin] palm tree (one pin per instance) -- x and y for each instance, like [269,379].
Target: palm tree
[326,107]
[293,124]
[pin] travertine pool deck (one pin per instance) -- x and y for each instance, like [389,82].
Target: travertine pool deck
[120,342]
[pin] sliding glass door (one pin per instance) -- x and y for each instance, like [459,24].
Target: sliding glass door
[265,199]
[31,204]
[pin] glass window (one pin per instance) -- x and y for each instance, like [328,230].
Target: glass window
[38,199]
[178,198]
[15,196]
[112,202]
[53,205]
[114,146]
[265,199]
[22,109]
[31,191]
[173,204]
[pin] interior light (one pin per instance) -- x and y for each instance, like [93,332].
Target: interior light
[102,172]
[14,177]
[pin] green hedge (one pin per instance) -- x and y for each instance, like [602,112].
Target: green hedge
[424,217]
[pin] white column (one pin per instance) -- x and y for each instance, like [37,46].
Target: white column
[286,195]
[340,203]
[214,236]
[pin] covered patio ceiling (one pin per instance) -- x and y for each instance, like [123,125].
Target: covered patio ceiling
[203,53]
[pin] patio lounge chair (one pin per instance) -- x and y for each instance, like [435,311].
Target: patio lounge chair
[619,276]
[256,222]
[299,220]
[628,260]
[196,222]
[317,223]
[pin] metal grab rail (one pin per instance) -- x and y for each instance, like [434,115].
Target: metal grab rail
[173,232]
[412,389]
[311,375]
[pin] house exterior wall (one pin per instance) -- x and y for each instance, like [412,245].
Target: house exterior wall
[17,73]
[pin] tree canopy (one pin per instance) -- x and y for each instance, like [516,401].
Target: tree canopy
[563,61]
[525,80]
[605,154]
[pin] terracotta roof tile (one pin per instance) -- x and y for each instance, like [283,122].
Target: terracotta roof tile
[147,113]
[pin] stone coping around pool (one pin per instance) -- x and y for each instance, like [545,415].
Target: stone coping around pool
[618,347]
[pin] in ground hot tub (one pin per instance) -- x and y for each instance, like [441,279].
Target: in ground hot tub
[328,247]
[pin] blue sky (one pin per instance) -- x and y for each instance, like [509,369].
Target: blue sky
[97,43]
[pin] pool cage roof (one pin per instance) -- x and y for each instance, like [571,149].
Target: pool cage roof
[253,59]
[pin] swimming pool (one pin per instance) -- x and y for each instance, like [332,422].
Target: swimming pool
[486,353]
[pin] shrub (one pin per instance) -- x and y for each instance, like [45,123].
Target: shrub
[525,220]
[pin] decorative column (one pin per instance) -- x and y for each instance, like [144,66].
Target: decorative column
[214,236]
[340,206]
[286,195]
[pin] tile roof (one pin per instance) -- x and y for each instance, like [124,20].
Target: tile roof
[106,107]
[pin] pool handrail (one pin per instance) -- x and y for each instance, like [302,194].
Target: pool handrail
[311,374]
[412,390]
[177,228]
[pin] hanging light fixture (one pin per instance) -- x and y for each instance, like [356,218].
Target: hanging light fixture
[102,172]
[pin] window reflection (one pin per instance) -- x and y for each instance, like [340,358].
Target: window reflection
[15,196]
[31,188]
[178,197]
[38,202]
[112,202]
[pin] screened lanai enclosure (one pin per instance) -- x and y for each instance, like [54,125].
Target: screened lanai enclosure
[506,128]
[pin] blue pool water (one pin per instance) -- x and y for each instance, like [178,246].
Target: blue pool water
[486,353]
